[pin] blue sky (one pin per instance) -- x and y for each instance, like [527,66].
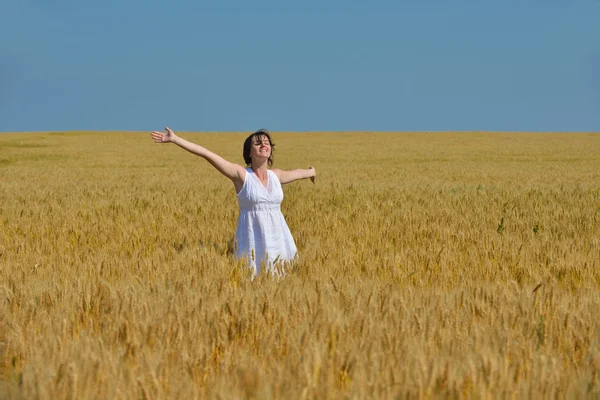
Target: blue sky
[300,66]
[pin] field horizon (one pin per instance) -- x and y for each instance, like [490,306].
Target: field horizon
[431,264]
[91,131]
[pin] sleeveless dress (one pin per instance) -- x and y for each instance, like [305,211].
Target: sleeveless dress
[262,236]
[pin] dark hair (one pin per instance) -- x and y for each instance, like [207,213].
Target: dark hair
[258,135]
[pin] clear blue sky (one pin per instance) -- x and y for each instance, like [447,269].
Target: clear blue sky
[300,66]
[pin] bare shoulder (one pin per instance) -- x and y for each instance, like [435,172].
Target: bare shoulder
[277,172]
[238,182]
[240,172]
[239,168]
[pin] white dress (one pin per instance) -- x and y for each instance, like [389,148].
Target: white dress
[262,235]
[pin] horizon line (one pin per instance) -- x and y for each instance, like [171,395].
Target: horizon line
[302,131]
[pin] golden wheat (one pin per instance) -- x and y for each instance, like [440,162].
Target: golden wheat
[461,264]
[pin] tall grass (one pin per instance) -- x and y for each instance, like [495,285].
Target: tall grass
[461,264]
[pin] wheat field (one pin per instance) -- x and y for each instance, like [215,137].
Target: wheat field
[431,264]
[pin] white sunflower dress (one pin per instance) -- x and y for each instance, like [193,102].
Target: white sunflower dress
[262,236]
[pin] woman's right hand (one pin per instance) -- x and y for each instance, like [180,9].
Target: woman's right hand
[312,178]
[160,137]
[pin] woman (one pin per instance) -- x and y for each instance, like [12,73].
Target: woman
[262,236]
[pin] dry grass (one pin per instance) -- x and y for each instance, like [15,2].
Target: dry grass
[431,264]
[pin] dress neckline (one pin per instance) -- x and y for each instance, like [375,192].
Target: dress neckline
[265,186]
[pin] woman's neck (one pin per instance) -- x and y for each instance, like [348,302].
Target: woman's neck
[259,169]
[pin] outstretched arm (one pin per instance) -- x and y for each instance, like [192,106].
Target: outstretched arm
[295,174]
[232,171]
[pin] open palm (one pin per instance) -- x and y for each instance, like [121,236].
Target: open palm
[160,137]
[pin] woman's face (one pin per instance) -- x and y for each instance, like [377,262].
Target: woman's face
[261,148]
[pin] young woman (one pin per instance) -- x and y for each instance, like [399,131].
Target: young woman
[262,236]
